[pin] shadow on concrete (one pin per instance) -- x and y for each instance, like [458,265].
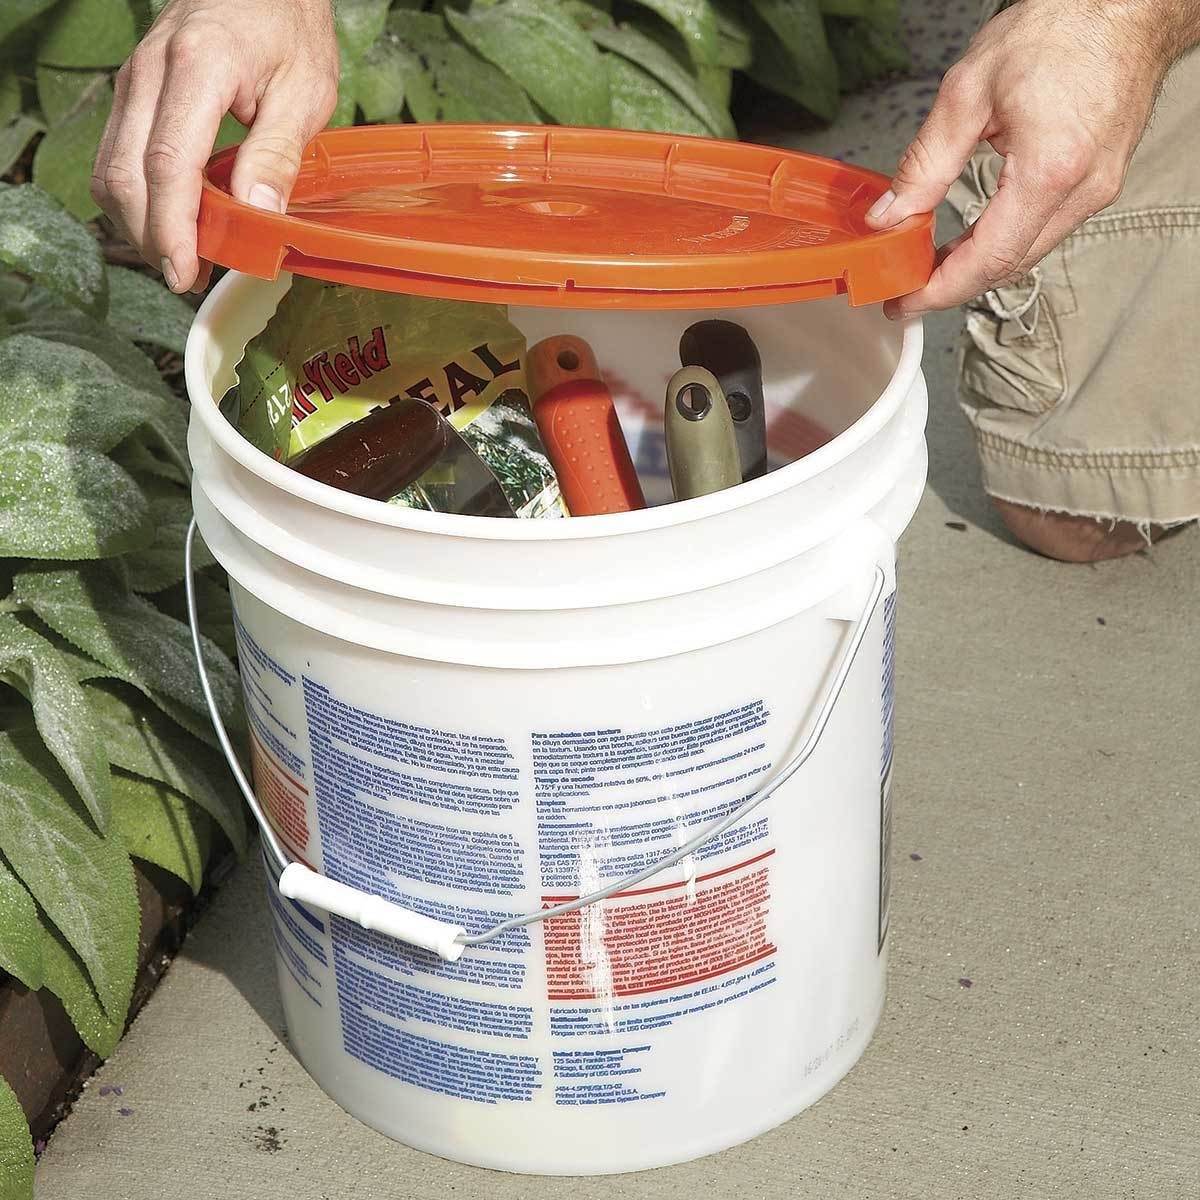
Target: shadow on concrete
[235,940]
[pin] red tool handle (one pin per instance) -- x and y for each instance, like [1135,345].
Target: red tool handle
[578,422]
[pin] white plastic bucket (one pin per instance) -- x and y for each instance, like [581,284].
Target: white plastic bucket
[476,718]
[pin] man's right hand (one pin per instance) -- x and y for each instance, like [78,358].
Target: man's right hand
[1063,91]
[273,64]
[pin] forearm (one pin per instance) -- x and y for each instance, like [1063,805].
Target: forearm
[1164,30]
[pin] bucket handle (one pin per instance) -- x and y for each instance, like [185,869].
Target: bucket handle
[299,882]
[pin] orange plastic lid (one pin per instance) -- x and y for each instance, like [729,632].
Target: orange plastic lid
[564,217]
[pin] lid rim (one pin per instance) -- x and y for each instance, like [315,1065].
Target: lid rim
[765,259]
[870,265]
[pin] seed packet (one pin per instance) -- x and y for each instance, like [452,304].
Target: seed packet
[333,354]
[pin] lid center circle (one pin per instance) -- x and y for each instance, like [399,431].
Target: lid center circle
[557,208]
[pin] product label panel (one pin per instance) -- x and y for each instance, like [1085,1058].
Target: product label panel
[610,802]
[583,1009]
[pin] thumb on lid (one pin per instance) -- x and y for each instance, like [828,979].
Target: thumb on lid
[290,113]
[935,157]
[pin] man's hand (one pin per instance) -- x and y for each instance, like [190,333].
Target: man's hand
[272,63]
[1063,90]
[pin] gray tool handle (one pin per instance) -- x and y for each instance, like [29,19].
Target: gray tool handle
[729,352]
[702,451]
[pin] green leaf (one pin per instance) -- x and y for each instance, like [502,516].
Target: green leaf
[160,827]
[62,163]
[64,502]
[92,607]
[40,239]
[380,81]
[587,16]
[16,1144]
[58,393]
[68,979]
[13,290]
[198,726]
[44,315]
[545,51]
[144,309]
[80,666]
[61,92]
[213,606]
[717,83]
[15,135]
[734,39]
[140,459]
[865,51]
[20,932]
[444,81]
[10,94]
[60,408]
[646,53]
[89,33]
[359,24]
[83,667]
[640,102]
[167,432]
[15,13]
[145,743]
[61,710]
[696,21]
[82,880]
[792,55]
[160,565]
[346,108]
[229,132]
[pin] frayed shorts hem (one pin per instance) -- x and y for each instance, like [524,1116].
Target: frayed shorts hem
[1159,489]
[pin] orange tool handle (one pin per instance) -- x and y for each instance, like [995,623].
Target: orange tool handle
[580,429]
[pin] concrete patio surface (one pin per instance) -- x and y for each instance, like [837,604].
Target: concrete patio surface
[1041,1035]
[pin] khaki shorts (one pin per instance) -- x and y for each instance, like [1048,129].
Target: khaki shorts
[1082,380]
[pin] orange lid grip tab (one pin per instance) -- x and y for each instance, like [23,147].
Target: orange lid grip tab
[580,428]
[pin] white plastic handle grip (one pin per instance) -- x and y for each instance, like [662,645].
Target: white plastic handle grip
[371,912]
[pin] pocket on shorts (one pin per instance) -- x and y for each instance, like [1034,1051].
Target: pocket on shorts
[1013,357]
[1012,352]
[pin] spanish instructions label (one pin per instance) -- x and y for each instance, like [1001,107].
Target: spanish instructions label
[394,1015]
[299,937]
[610,802]
[277,764]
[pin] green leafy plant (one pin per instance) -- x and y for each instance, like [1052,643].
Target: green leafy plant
[105,755]
[638,64]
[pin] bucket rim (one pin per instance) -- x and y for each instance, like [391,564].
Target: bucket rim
[203,406]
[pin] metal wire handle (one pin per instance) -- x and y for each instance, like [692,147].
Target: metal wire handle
[376,913]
